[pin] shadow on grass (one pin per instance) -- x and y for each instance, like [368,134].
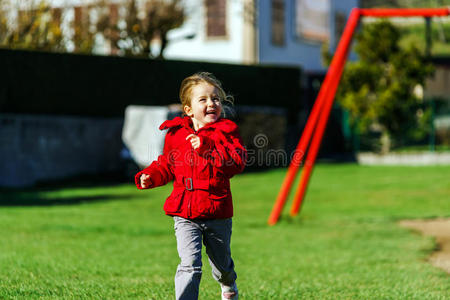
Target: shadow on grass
[34,199]
[33,196]
[81,181]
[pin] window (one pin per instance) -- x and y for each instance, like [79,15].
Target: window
[216,18]
[312,19]
[278,22]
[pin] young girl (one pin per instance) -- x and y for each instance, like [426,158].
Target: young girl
[202,151]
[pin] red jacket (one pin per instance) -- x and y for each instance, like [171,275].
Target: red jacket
[201,187]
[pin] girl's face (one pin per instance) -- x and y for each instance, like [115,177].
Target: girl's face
[205,105]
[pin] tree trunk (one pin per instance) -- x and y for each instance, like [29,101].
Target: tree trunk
[164,42]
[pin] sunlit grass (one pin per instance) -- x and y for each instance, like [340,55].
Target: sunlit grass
[114,242]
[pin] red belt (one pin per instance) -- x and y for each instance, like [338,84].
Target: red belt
[195,184]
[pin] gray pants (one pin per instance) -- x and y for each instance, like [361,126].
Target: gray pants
[215,235]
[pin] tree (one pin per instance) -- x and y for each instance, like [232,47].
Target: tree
[134,39]
[38,26]
[35,29]
[378,89]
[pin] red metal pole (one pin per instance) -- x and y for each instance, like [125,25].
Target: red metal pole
[318,135]
[310,160]
[328,91]
[405,12]
[301,148]
[298,155]
[334,73]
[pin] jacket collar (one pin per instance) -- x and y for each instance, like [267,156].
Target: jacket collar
[222,124]
[175,122]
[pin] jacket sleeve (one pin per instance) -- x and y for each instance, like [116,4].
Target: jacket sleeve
[160,170]
[226,151]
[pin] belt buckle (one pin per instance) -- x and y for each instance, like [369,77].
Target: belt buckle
[188,184]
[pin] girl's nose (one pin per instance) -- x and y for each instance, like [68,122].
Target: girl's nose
[210,102]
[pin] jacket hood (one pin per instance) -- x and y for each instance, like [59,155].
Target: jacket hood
[222,124]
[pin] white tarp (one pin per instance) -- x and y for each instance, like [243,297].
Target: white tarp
[141,134]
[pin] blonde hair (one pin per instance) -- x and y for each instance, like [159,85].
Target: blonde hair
[202,77]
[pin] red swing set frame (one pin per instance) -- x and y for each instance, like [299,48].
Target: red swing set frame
[318,118]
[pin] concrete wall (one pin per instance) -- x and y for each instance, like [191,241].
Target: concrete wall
[40,147]
[405,159]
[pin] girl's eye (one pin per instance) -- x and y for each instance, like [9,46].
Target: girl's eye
[216,99]
[202,100]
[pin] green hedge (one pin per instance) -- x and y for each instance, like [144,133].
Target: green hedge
[66,84]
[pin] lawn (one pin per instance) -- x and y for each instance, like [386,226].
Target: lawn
[114,242]
[414,34]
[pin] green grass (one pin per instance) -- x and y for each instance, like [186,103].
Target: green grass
[415,35]
[114,242]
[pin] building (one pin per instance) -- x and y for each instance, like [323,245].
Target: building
[222,31]
[289,32]
[294,31]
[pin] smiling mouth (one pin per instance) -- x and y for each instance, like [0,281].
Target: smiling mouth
[211,112]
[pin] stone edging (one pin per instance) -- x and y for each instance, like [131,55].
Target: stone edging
[408,159]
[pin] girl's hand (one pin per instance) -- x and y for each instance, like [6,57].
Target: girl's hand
[195,140]
[145,181]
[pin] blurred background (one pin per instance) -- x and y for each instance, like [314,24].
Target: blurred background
[85,84]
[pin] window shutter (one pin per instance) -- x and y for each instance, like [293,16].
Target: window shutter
[216,18]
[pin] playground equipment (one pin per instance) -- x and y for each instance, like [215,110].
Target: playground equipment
[318,118]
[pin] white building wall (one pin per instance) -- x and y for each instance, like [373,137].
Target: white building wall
[227,50]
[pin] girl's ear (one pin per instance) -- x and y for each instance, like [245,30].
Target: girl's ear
[187,110]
